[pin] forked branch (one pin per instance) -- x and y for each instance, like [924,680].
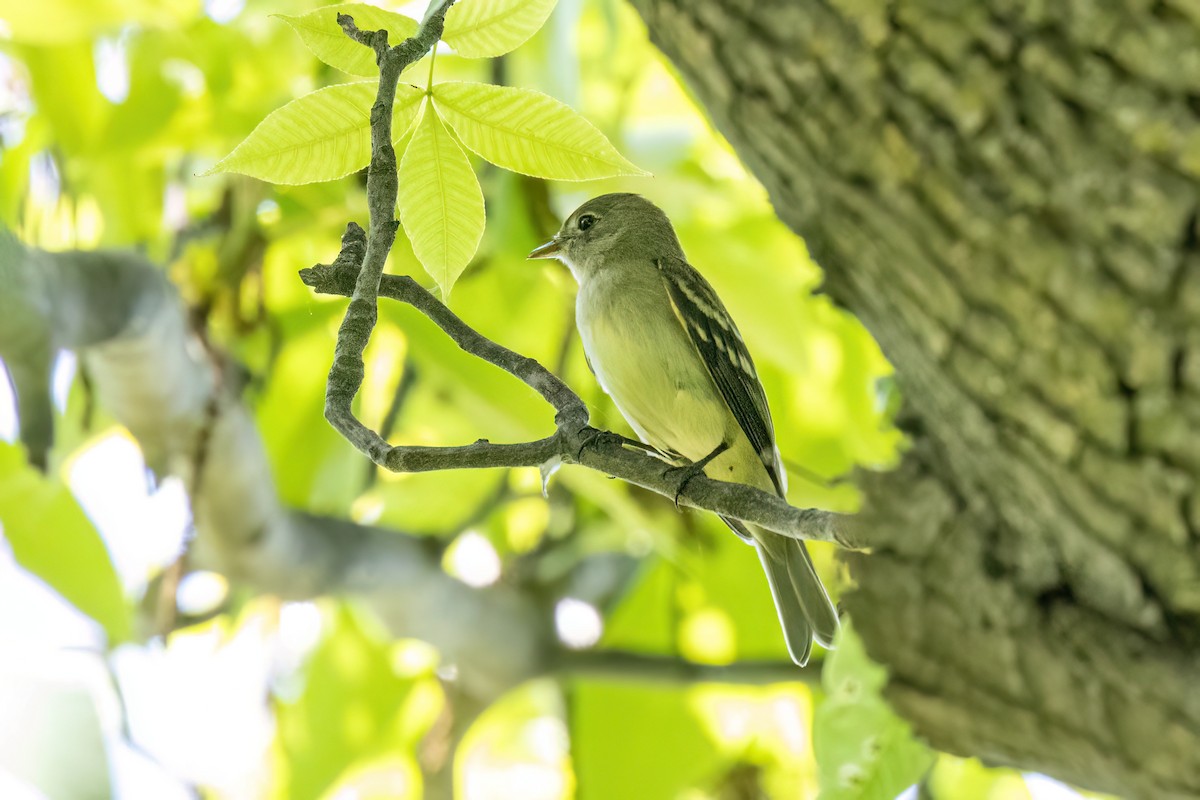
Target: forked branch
[357,273]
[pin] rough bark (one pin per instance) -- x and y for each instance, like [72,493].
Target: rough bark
[1006,195]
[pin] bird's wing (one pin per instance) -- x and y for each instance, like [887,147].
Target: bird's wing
[723,352]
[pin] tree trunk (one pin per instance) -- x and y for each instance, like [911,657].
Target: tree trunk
[1006,196]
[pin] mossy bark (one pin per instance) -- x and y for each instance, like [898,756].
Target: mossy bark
[1007,195]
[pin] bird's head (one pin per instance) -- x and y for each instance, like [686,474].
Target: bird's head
[611,229]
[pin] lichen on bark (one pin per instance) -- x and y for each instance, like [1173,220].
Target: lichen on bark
[1006,195]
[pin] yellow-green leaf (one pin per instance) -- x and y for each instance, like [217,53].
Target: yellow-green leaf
[490,28]
[51,537]
[55,22]
[864,750]
[529,132]
[440,202]
[321,136]
[354,708]
[320,32]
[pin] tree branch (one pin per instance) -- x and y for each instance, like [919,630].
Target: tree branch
[622,666]
[574,442]
[357,273]
[346,373]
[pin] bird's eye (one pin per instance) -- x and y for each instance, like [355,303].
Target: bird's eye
[586,221]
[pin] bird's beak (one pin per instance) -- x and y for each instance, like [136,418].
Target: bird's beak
[548,250]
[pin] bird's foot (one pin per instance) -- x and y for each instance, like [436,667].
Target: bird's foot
[683,475]
[593,437]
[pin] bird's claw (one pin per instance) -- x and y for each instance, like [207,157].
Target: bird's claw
[689,471]
[590,437]
[682,476]
[593,436]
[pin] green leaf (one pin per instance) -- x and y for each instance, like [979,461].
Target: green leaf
[53,22]
[56,716]
[644,621]
[966,779]
[321,136]
[66,93]
[663,755]
[322,475]
[320,32]
[354,706]
[441,204]
[529,132]
[864,751]
[490,28]
[52,538]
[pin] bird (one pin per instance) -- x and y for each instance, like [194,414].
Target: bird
[664,348]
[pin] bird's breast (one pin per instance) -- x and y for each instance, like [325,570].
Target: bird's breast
[644,360]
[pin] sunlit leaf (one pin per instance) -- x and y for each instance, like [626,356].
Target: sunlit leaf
[320,32]
[66,92]
[388,777]
[525,727]
[490,28]
[321,136]
[864,751]
[645,621]
[707,636]
[14,169]
[421,503]
[354,708]
[153,100]
[60,21]
[966,779]
[51,537]
[525,522]
[529,132]
[440,202]
[50,719]
[321,475]
[664,754]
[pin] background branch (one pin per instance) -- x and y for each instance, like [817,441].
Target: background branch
[151,376]
[622,666]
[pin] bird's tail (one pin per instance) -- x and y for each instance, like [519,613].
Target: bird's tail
[804,608]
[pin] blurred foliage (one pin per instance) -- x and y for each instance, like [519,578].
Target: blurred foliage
[863,748]
[360,703]
[109,112]
[52,538]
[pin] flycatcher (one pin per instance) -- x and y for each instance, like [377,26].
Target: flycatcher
[662,345]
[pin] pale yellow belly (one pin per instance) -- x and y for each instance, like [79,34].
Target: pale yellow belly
[658,383]
[652,371]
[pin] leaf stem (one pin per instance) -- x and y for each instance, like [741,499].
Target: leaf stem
[432,59]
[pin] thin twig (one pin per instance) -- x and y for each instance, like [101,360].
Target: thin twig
[404,387]
[346,373]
